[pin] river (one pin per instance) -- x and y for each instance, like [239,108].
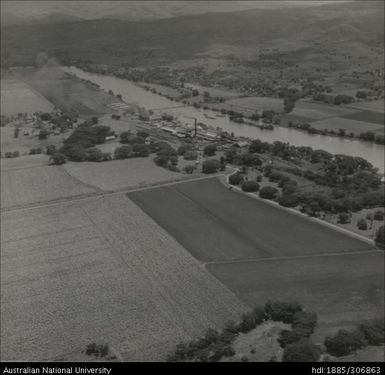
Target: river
[132,93]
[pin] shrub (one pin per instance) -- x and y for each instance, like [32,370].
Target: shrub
[378,215]
[303,351]
[57,158]
[211,166]
[140,150]
[51,149]
[343,218]
[235,179]
[43,134]
[268,192]
[189,169]
[15,154]
[380,237]
[250,186]
[362,224]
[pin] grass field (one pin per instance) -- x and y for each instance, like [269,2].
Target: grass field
[376,106]
[217,224]
[367,116]
[263,253]
[100,270]
[254,103]
[25,184]
[119,174]
[18,97]
[349,125]
[24,143]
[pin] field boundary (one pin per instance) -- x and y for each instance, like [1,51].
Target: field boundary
[296,212]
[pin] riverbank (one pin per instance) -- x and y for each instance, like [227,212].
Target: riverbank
[132,93]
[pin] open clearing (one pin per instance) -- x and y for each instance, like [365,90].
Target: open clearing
[120,174]
[18,97]
[217,224]
[264,253]
[101,270]
[33,183]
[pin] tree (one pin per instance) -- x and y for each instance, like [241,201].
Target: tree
[43,134]
[362,224]
[16,133]
[140,150]
[380,235]
[288,200]
[211,166]
[288,104]
[210,150]
[268,192]
[57,158]
[51,149]
[235,179]
[189,169]
[282,311]
[303,351]
[250,186]
[94,154]
[123,152]
[344,342]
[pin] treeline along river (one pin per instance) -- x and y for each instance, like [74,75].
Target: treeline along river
[131,93]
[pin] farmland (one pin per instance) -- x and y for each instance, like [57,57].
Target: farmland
[18,97]
[120,174]
[349,125]
[216,224]
[27,183]
[110,274]
[262,253]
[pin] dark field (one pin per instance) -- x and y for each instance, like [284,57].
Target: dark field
[368,116]
[217,224]
[342,289]
[263,253]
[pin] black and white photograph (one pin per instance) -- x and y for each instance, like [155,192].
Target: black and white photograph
[192,181]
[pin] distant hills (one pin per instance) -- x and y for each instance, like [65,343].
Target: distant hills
[34,12]
[157,41]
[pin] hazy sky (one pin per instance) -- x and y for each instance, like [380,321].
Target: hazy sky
[96,9]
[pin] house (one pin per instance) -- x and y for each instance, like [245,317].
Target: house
[110,138]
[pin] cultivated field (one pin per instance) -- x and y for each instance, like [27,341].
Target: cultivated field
[264,253]
[119,174]
[217,224]
[18,97]
[26,184]
[367,116]
[318,111]
[343,289]
[100,270]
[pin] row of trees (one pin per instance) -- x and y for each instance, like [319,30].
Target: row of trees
[214,344]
